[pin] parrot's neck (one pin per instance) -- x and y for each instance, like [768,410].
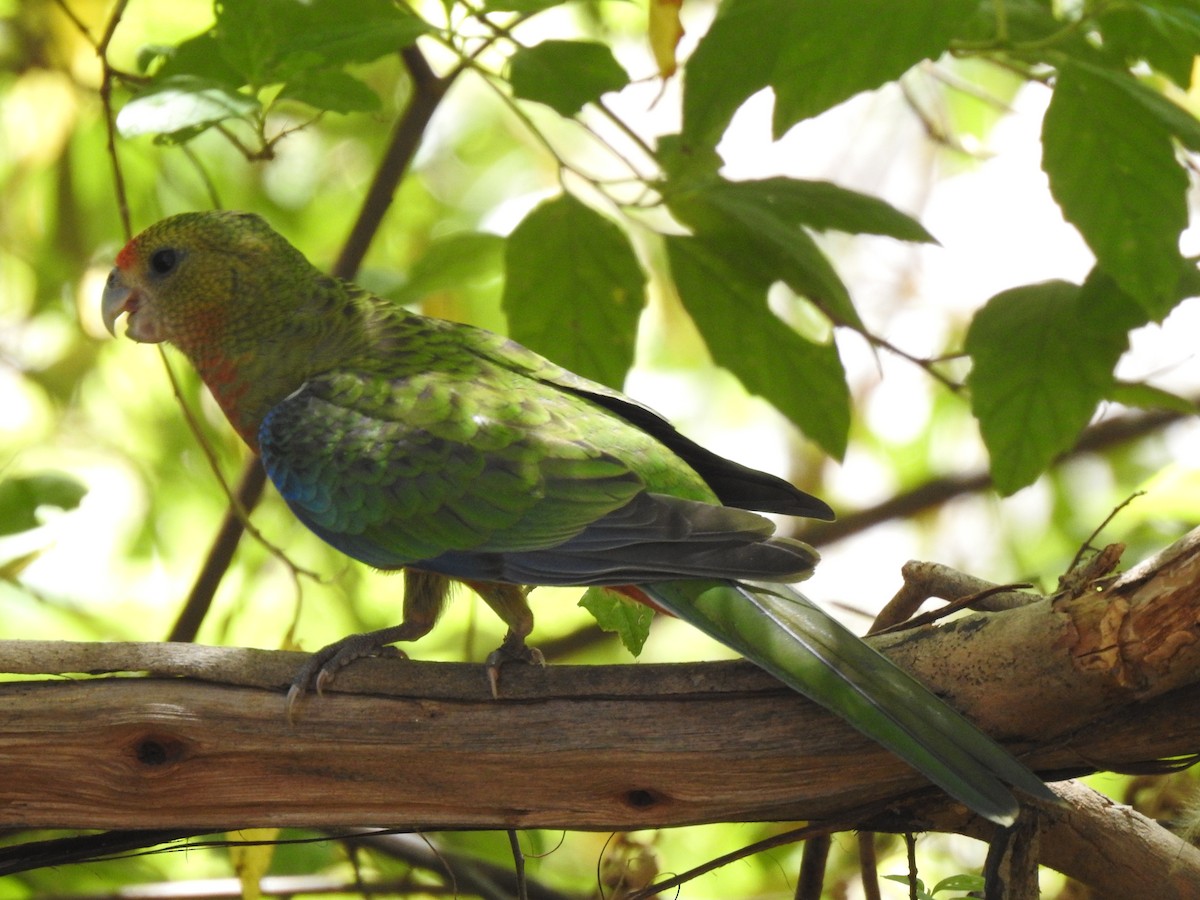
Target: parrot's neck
[258,364]
[242,391]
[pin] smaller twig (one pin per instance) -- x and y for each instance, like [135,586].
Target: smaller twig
[970,601]
[877,342]
[210,187]
[1087,544]
[925,580]
[428,91]
[1081,578]
[813,863]
[910,847]
[518,855]
[489,78]
[805,833]
[110,119]
[934,130]
[76,21]
[868,866]
[220,555]
[1098,438]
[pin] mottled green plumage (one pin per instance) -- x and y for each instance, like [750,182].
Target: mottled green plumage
[409,442]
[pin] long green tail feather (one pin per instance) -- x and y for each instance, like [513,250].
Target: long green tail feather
[785,633]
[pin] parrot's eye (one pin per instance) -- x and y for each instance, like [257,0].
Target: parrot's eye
[163,261]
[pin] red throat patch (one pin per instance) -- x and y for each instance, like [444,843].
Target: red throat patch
[125,257]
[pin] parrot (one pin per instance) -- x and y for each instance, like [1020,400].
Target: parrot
[456,455]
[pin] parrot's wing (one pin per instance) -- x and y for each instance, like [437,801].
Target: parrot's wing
[410,467]
[785,633]
[733,483]
[464,482]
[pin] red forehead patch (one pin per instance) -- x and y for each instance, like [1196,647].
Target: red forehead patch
[125,257]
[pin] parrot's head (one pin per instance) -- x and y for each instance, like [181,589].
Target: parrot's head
[195,279]
[246,307]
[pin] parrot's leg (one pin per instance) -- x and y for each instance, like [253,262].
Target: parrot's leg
[509,603]
[424,597]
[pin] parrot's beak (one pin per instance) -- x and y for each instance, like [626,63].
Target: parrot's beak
[120,298]
[117,300]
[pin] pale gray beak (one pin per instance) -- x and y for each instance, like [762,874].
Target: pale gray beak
[117,300]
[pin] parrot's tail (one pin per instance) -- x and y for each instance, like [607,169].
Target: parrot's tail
[787,634]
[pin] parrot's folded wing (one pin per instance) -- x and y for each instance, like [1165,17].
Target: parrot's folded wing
[792,638]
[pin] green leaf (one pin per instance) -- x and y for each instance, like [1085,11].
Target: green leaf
[451,262]
[350,31]
[1165,35]
[803,379]
[200,57]
[814,54]
[330,89]
[273,41]
[616,614]
[1174,118]
[565,75]
[820,205]
[961,882]
[1146,396]
[764,219]
[181,103]
[1112,169]
[21,498]
[1043,358]
[683,163]
[571,276]
[920,891]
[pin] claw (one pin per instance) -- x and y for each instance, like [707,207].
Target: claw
[322,667]
[514,649]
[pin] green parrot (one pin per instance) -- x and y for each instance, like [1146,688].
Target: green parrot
[455,454]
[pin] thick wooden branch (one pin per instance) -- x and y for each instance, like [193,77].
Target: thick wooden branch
[1102,680]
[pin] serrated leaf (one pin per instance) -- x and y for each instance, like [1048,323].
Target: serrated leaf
[565,75]
[803,379]
[182,103]
[814,55]
[272,41]
[775,246]
[1112,169]
[332,90]
[824,206]
[1146,396]
[1042,359]
[351,31]
[615,614]
[574,290]
[21,497]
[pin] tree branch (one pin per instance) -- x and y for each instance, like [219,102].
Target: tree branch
[1100,437]
[1108,679]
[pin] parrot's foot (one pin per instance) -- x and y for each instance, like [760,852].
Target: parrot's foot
[322,667]
[514,649]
